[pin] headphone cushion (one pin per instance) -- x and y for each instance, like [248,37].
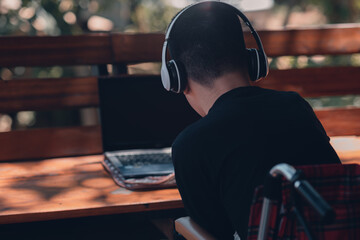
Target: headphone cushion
[253,63]
[263,64]
[182,75]
[257,64]
[177,75]
[173,75]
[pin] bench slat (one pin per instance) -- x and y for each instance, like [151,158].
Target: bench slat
[340,122]
[61,50]
[50,142]
[136,48]
[331,40]
[48,94]
[55,142]
[315,82]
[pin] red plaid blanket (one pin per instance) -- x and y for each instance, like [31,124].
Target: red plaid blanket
[339,185]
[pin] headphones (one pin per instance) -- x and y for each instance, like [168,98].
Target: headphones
[173,75]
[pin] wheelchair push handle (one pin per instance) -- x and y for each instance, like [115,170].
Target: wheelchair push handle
[315,200]
[305,189]
[272,190]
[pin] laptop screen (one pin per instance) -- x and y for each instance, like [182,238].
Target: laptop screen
[137,112]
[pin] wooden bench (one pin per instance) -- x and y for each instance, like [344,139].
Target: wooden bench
[55,173]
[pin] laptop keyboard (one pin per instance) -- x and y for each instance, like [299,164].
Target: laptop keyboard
[142,162]
[137,160]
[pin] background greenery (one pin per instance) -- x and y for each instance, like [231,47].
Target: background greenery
[55,17]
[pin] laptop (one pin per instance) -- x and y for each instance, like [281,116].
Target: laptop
[139,121]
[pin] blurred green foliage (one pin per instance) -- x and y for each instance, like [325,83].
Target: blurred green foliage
[63,17]
[336,11]
[339,11]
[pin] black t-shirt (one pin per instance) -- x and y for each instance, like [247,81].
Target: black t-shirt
[221,158]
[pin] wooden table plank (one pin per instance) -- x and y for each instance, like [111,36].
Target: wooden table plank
[71,187]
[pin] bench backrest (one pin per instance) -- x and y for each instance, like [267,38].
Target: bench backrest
[120,50]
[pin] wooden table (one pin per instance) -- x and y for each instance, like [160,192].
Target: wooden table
[74,187]
[69,188]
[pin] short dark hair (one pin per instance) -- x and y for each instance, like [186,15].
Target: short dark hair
[207,39]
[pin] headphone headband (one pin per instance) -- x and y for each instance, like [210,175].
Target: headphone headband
[173,20]
[260,62]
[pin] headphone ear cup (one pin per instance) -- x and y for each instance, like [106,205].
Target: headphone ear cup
[177,75]
[253,64]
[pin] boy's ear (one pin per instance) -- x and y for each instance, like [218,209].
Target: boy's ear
[187,89]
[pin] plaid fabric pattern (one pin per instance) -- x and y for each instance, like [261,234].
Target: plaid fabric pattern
[339,185]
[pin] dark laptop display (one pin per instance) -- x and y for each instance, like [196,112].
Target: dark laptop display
[137,113]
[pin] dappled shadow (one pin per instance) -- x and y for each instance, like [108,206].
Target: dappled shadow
[71,187]
[3,205]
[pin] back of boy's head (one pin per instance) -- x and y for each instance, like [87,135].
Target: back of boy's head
[207,39]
